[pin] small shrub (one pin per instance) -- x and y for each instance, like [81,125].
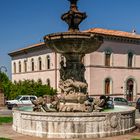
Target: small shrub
[5,138]
[6,120]
[135,139]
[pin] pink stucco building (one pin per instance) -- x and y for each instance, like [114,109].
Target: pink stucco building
[114,69]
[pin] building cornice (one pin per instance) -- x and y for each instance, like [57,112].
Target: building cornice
[36,71]
[27,49]
[120,39]
[115,35]
[113,67]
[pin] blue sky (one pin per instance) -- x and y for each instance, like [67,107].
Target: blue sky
[25,22]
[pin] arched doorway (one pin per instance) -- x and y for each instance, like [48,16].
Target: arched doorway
[130,89]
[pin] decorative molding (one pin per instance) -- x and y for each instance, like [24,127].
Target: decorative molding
[114,94]
[121,39]
[114,67]
[34,71]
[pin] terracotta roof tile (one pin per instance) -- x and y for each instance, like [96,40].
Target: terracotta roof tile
[26,48]
[114,33]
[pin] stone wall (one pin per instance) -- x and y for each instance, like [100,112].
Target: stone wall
[74,125]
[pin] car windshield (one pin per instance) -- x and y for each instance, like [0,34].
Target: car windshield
[120,100]
[18,97]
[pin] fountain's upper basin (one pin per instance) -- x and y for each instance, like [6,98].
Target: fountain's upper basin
[73,42]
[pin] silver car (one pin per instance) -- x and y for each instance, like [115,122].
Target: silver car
[120,101]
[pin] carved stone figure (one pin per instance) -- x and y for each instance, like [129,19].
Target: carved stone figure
[46,103]
[71,102]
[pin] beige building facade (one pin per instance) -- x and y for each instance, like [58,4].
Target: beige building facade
[114,69]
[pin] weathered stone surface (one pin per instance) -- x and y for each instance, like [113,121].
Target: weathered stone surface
[74,125]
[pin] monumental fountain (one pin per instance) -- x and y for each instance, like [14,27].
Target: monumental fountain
[71,115]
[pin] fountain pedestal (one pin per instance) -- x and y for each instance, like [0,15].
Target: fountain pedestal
[73,46]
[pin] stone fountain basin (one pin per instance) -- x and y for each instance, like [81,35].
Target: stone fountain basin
[75,125]
[73,42]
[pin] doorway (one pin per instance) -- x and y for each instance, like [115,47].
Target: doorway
[130,89]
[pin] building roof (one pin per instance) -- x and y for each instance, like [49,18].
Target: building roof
[114,33]
[23,50]
[100,31]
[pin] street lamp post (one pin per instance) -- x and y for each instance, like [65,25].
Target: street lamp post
[1,91]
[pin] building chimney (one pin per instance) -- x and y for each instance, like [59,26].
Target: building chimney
[133,31]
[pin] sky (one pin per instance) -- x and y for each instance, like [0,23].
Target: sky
[26,22]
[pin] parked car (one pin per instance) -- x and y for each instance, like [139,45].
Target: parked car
[120,101]
[138,104]
[21,100]
[109,102]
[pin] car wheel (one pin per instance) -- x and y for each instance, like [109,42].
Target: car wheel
[9,107]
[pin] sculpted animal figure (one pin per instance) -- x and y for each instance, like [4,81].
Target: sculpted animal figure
[71,85]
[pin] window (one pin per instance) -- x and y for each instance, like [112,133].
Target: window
[32,98]
[107,58]
[62,60]
[32,64]
[40,63]
[107,86]
[48,62]
[25,65]
[48,82]
[130,89]
[130,59]
[83,60]
[24,98]
[15,67]
[19,66]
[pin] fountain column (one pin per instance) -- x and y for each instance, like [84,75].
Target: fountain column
[73,45]
[74,68]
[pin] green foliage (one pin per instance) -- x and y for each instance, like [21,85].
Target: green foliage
[4,138]
[3,77]
[135,139]
[26,87]
[5,83]
[6,120]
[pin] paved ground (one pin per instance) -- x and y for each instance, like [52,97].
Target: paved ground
[7,132]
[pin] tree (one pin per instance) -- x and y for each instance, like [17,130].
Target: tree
[28,87]
[5,84]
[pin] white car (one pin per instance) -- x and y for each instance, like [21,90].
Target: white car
[21,100]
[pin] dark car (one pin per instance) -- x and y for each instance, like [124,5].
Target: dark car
[138,104]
